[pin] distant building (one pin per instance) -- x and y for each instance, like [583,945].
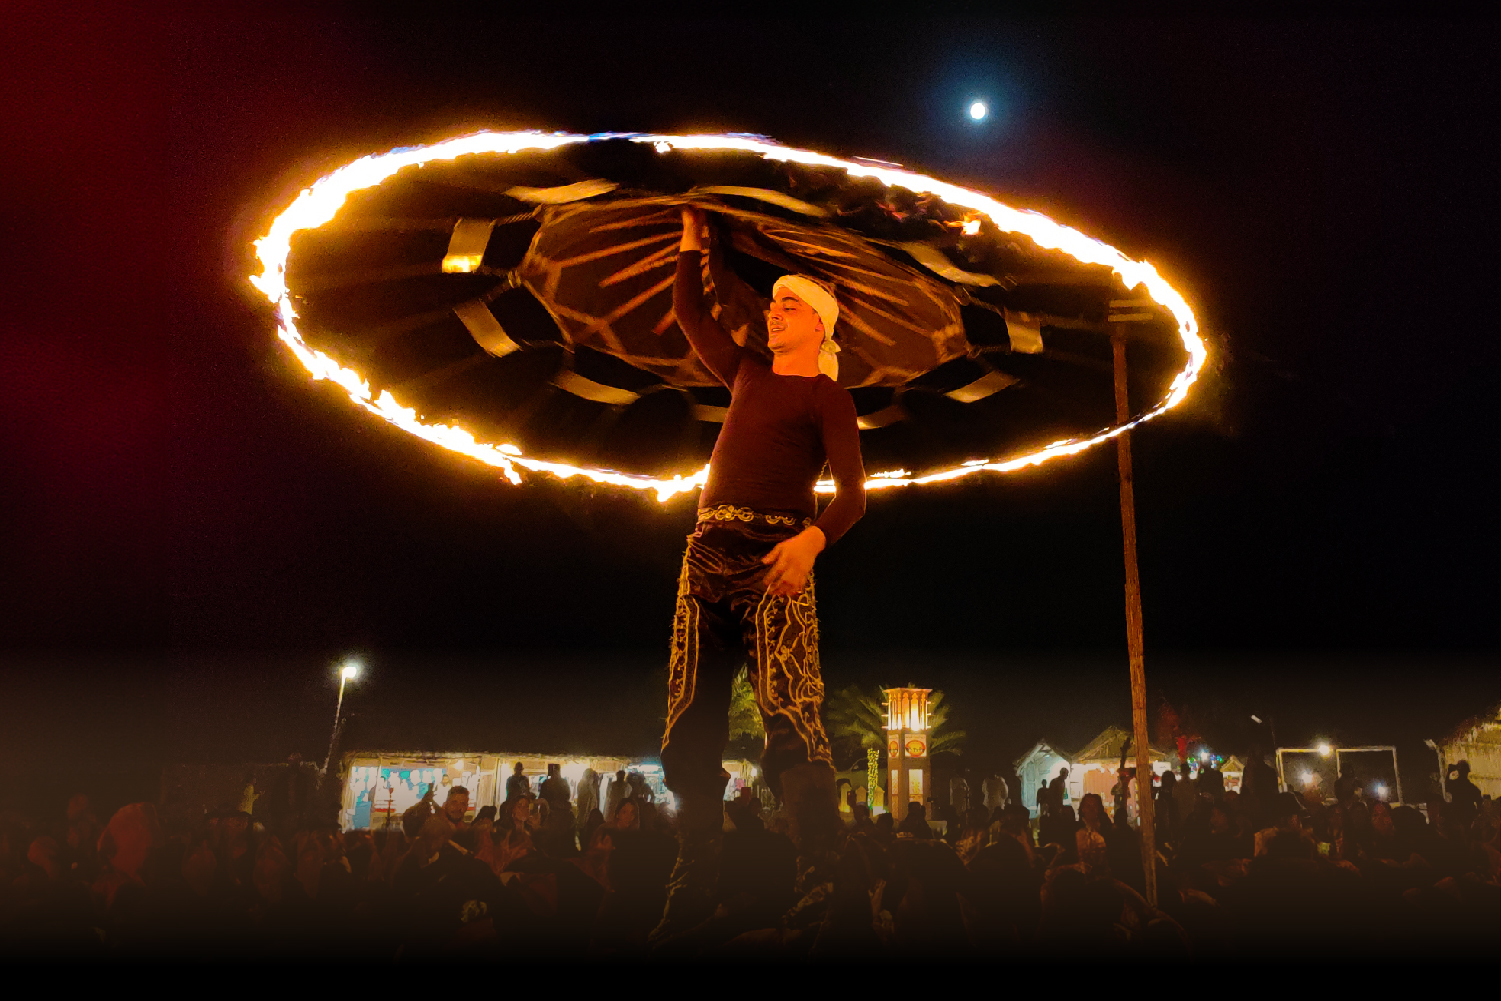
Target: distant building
[379,786]
[1093,769]
[1478,741]
[1039,766]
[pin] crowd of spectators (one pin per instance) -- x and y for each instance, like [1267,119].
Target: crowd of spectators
[583,872]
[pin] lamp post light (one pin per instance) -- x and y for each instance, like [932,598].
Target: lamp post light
[907,749]
[348,671]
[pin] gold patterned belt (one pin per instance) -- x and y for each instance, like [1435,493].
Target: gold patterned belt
[729,512]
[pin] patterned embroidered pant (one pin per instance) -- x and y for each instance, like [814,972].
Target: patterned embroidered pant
[724,619]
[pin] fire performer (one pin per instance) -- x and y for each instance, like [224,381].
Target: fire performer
[746,587]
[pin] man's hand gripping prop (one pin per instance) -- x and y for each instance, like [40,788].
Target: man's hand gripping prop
[791,561]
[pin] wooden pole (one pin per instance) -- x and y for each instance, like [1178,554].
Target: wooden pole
[1133,629]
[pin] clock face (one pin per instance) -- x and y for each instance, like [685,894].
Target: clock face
[894,746]
[916,748]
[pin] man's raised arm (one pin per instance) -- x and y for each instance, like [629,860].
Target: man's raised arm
[841,442]
[711,342]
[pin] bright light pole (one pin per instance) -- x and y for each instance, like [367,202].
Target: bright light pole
[348,671]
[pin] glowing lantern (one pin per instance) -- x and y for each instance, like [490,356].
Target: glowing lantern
[907,748]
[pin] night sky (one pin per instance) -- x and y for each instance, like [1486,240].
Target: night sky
[194,532]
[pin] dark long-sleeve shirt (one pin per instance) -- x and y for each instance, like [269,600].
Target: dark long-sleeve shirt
[780,428]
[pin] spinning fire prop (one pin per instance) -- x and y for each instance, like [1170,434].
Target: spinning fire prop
[950,296]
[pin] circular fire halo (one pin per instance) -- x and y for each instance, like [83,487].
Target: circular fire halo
[998,301]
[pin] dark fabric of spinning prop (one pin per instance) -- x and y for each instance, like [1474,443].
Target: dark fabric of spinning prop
[528,297]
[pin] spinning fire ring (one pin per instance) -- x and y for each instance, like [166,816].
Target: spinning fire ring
[432,282]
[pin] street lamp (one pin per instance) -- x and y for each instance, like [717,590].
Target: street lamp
[348,671]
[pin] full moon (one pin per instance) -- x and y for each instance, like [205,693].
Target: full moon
[978,110]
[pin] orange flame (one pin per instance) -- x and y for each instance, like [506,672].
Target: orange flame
[320,202]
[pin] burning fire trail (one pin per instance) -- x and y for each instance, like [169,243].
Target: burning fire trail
[319,203]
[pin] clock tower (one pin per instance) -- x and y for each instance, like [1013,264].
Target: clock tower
[907,749]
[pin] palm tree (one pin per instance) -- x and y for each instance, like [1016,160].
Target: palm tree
[856,718]
[942,737]
[747,735]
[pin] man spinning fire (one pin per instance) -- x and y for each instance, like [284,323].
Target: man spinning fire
[746,588]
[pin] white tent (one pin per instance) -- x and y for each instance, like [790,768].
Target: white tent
[1478,741]
[1037,766]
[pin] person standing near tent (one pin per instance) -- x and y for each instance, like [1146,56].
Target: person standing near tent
[617,792]
[746,585]
[1463,793]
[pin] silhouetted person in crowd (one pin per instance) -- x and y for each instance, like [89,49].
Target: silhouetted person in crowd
[592,823]
[1258,786]
[1185,793]
[862,823]
[1211,784]
[586,798]
[80,836]
[455,806]
[617,792]
[1005,894]
[996,793]
[1120,795]
[959,794]
[1210,838]
[53,913]
[1055,825]
[1058,829]
[555,787]
[558,826]
[1165,814]
[518,784]
[1383,834]
[1092,816]
[1464,794]
[450,896]
[416,815]
[972,835]
[756,874]
[1058,789]
[1286,831]
[518,831]
[915,822]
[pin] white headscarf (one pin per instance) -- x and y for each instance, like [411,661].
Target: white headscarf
[824,304]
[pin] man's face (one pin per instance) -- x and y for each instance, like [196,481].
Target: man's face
[791,324]
[455,806]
